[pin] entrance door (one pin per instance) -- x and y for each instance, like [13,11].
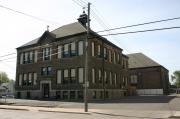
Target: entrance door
[45,88]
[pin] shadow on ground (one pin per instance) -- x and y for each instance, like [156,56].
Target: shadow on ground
[139,99]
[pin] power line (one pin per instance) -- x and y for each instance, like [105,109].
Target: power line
[143,31]
[7,55]
[140,24]
[34,17]
[78,3]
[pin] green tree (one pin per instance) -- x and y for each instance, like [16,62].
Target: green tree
[176,77]
[4,77]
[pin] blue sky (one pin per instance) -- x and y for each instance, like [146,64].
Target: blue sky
[162,46]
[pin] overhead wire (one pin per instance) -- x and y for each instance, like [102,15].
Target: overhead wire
[29,15]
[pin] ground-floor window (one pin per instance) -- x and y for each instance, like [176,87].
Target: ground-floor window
[18,94]
[80,95]
[72,95]
[101,94]
[28,95]
[107,94]
[94,95]
[58,94]
[65,94]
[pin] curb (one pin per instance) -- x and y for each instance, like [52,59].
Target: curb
[88,113]
[13,109]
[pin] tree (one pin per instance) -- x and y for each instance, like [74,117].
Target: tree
[4,77]
[176,77]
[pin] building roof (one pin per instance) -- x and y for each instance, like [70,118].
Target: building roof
[66,30]
[139,60]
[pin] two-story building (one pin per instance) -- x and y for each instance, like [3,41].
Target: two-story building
[53,65]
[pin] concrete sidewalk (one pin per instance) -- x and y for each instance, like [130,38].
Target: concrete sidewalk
[113,113]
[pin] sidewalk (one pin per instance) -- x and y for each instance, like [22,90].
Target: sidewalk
[112,113]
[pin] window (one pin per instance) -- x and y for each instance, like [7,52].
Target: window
[30,79]
[92,46]
[99,76]
[80,95]
[60,51]
[115,79]
[110,57]
[24,79]
[101,94]
[114,58]
[80,48]
[93,75]
[65,94]
[106,94]
[105,53]
[81,75]
[59,77]
[133,79]
[99,51]
[118,58]
[21,58]
[20,79]
[46,53]
[46,71]
[49,70]
[26,58]
[94,94]
[72,95]
[35,78]
[105,77]
[31,57]
[66,75]
[43,71]
[35,55]
[73,76]
[110,77]
[73,49]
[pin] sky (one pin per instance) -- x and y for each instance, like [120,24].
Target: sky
[162,46]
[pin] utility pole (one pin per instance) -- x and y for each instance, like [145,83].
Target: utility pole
[86,62]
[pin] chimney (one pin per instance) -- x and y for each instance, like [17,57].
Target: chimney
[83,19]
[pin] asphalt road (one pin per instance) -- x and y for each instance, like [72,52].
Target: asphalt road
[132,103]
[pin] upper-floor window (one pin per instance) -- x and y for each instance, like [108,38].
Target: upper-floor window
[115,79]
[110,77]
[99,51]
[20,79]
[66,50]
[46,53]
[80,48]
[45,71]
[25,79]
[59,51]
[34,78]
[30,79]
[73,76]
[92,48]
[100,76]
[81,75]
[110,56]
[105,53]
[59,77]
[93,75]
[66,75]
[73,49]
[114,57]
[105,77]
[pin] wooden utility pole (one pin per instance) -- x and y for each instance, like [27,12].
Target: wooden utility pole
[86,63]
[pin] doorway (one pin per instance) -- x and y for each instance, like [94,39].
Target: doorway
[45,90]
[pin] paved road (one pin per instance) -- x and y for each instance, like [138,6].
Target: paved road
[132,103]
